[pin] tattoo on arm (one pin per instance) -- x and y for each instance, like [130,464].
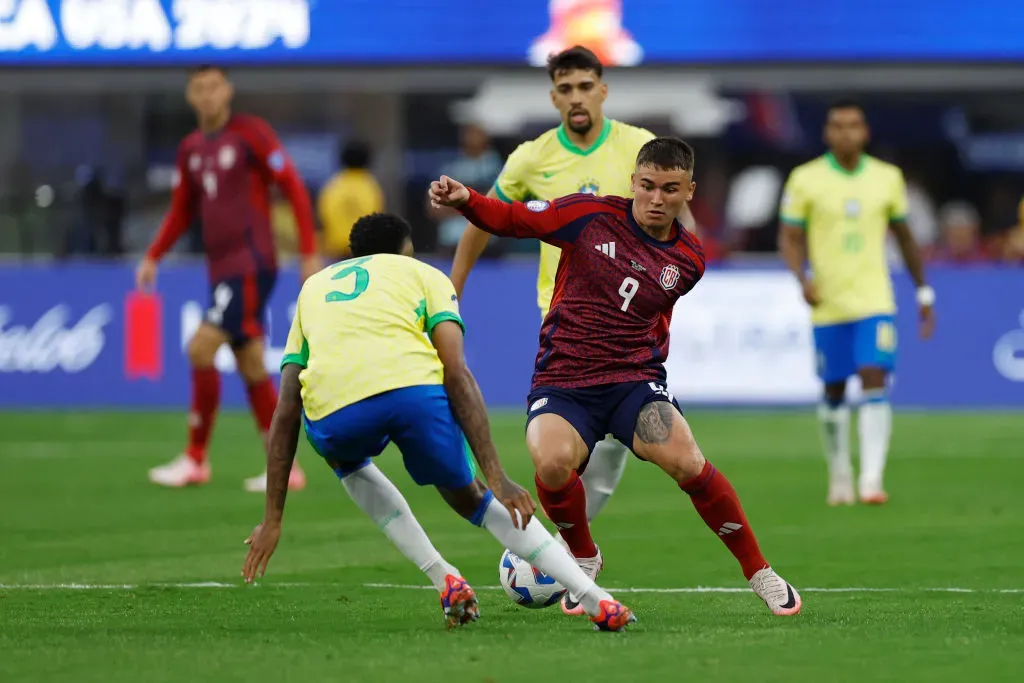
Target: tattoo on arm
[282,441]
[655,422]
[469,408]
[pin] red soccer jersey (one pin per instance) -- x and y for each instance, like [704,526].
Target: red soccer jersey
[225,178]
[614,289]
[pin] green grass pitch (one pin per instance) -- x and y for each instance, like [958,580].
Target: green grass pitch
[75,508]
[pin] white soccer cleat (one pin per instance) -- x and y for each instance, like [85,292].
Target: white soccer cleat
[871,492]
[840,491]
[180,472]
[781,598]
[591,566]
[258,484]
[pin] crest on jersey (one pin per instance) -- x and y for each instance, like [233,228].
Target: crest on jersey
[537,205]
[851,208]
[227,156]
[589,186]
[669,276]
[194,162]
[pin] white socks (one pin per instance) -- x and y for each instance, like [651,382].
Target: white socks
[384,504]
[835,437]
[535,545]
[607,463]
[875,426]
[375,495]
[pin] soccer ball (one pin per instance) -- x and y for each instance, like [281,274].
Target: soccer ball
[526,585]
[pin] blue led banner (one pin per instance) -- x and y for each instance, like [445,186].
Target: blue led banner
[624,32]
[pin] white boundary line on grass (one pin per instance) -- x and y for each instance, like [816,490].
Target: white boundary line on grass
[399,586]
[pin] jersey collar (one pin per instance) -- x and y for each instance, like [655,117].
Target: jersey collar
[667,244]
[834,163]
[570,146]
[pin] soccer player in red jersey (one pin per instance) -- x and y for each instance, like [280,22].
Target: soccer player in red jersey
[600,367]
[223,177]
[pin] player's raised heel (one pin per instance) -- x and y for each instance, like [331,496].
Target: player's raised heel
[458,602]
[592,567]
[614,616]
[180,472]
[781,598]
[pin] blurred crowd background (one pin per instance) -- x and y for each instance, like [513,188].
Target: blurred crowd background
[88,134]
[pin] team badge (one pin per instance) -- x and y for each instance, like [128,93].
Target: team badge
[194,162]
[589,186]
[227,157]
[851,208]
[537,205]
[669,276]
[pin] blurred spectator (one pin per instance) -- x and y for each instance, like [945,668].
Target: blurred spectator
[349,195]
[478,166]
[99,226]
[960,231]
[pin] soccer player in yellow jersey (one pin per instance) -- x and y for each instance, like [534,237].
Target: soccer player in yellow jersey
[587,153]
[836,211]
[375,355]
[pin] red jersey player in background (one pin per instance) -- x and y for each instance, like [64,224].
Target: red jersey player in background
[600,368]
[223,176]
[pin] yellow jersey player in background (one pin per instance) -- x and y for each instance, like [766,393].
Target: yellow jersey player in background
[375,355]
[587,153]
[836,212]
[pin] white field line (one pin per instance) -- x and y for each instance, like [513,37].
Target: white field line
[398,586]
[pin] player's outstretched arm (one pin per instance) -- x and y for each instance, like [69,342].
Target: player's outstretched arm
[469,409]
[793,249]
[471,246]
[177,221]
[549,221]
[283,440]
[915,265]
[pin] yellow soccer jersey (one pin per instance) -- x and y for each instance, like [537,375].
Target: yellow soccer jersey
[551,166]
[846,215]
[362,327]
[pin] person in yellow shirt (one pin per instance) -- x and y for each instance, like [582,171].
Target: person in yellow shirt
[836,212]
[375,355]
[351,194]
[587,153]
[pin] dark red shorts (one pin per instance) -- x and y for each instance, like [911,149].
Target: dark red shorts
[238,305]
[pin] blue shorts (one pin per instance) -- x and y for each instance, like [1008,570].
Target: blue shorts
[596,411]
[420,422]
[846,348]
[238,305]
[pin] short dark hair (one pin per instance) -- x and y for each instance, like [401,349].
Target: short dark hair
[379,233]
[203,68]
[845,103]
[667,154]
[575,58]
[356,154]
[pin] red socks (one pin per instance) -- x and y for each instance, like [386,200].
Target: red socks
[567,508]
[719,506]
[205,401]
[262,401]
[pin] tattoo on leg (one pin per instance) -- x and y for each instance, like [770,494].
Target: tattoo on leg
[655,422]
